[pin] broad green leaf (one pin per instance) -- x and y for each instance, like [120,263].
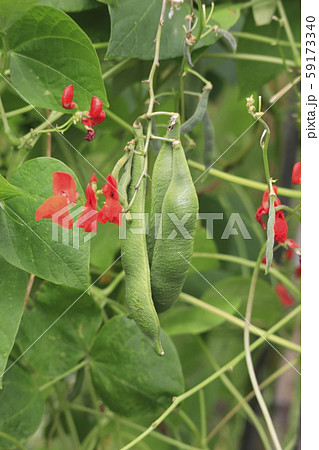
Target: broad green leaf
[186,318]
[21,406]
[42,248]
[13,284]
[128,376]
[76,319]
[49,51]
[254,74]
[107,238]
[109,2]
[134,25]
[12,11]
[7,190]
[70,5]
[263,11]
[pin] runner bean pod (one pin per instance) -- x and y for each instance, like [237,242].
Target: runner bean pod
[161,178]
[172,253]
[200,110]
[134,255]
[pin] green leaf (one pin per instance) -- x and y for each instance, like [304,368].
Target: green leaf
[12,11]
[21,406]
[108,238]
[13,284]
[49,51]
[134,25]
[70,5]
[71,336]
[7,190]
[263,12]
[203,244]
[30,245]
[128,376]
[254,74]
[184,319]
[109,2]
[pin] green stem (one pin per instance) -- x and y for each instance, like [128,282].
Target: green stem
[98,45]
[250,57]
[11,439]
[251,395]
[235,392]
[289,34]
[189,422]
[198,75]
[119,121]
[19,111]
[239,322]
[243,181]
[202,413]
[90,387]
[117,68]
[63,375]
[249,361]
[210,379]
[111,287]
[258,38]
[69,419]
[8,132]
[292,211]
[248,263]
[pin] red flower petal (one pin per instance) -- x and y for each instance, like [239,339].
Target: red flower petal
[280,227]
[292,244]
[91,200]
[289,253]
[67,97]
[100,118]
[296,173]
[111,212]
[110,188]
[64,184]
[93,178]
[50,207]
[265,199]
[88,220]
[284,295]
[258,216]
[90,135]
[96,107]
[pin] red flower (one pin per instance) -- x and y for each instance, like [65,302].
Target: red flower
[284,295]
[67,98]
[96,107]
[296,173]
[88,218]
[93,178]
[96,115]
[280,227]
[56,207]
[112,208]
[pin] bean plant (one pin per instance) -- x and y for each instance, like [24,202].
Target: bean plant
[150,224]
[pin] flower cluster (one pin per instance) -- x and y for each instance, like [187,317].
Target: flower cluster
[90,118]
[283,295]
[280,226]
[64,194]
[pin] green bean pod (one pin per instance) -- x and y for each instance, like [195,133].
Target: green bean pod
[161,178]
[134,257]
[209,140]
[172,253]
[200,110]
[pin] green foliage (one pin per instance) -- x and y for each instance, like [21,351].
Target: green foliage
[58,348]
[13,283]
[48,52]
[22,238]
[21,406]
[7,190]
[128,374]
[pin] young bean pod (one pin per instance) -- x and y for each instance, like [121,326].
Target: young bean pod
[199,111]
[161,178]
[172,253]
[209,140]
[134,255]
